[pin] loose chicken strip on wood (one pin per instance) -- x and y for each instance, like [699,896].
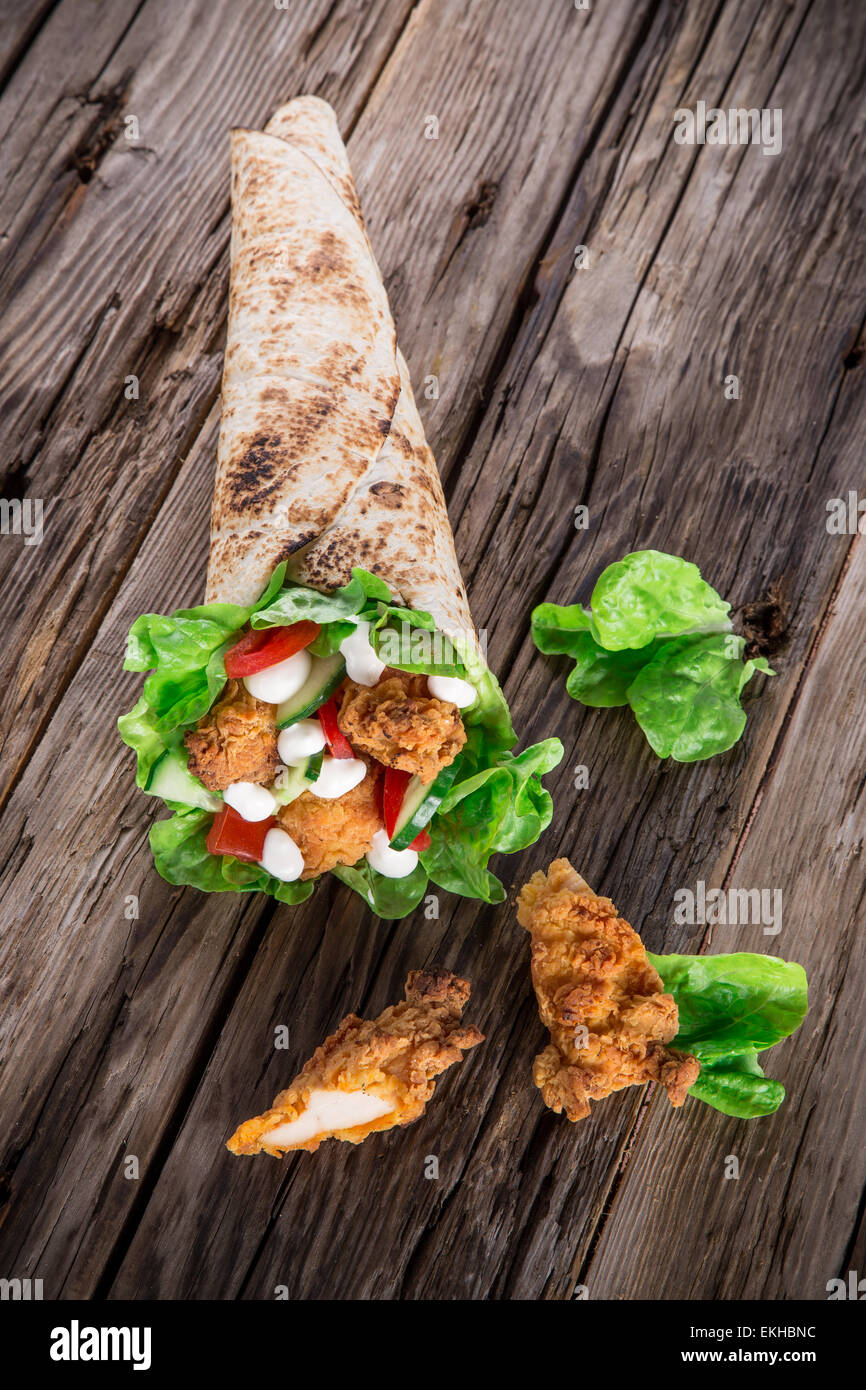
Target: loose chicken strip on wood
[368,1076]
[602,1001]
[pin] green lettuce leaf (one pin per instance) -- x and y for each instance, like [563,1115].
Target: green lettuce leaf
[658,638]
[296,602]
[181,856]
[740,1089]
[601,679]
[650,594]
[407,639]
[557,630]
[732,1007]
[495,809]
[388,897]
[687,698]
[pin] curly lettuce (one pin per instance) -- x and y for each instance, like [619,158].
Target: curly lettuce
[658,638]
[650,594]
[731,1008]
[495,805]
[181,856]
[184,654]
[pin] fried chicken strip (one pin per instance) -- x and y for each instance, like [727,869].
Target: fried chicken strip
[335,832]
[369,1076]
[236,741]
[598,995]
[400,724]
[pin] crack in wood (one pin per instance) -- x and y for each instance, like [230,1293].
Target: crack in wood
[98,139]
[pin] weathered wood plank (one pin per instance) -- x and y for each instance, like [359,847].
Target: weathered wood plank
[62,1238]
[19,24]
[653,489]
[349,50]
[117,267]
[782,1229]
[522,1191]
[647,437]
[150,300]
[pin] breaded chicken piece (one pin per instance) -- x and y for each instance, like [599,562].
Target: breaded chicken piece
[369,1076]
[590,971]
[400,724]
[236,741]
[339,831]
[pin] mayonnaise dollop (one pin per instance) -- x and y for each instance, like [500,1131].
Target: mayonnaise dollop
[391,863]
[281,856]
[300,741]
[362,664]
[453,689]
[250,801]
[277,683]
[338,776]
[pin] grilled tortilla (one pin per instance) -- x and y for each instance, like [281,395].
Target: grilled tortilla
[322,457]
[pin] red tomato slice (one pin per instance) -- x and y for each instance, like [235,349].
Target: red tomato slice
[266,646]
[231,834]
[396,783]
[337,742]
[422,841]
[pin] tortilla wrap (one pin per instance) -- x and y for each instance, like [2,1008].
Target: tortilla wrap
[322,458]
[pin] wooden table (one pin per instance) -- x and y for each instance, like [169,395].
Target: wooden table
[138,1019]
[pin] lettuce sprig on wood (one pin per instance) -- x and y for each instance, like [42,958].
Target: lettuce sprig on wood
[660,639]
[731,1009]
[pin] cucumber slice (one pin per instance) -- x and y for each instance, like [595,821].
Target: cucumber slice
[313,766]
[171,779]
[297,780]
[420,804]
[325,675]
[293,783]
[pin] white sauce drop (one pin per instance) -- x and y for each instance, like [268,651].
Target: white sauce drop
[328,1111]
[300,741]
[277,683]
[452,688]
[338,776]
[362,663]
[250,801]
[391,863]
[281,856]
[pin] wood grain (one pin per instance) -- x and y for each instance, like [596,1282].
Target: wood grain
[136,258]
[490,1222]
[154,1037]
[61,1231]
[800,1183]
